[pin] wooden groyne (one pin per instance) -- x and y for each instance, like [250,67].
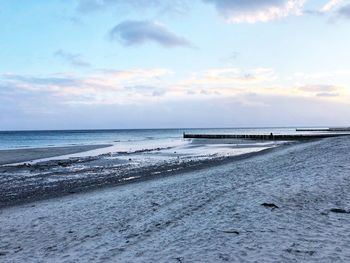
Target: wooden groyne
[264,137]
[323,130]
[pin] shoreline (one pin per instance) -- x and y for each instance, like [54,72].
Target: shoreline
[13,156]
[62,188]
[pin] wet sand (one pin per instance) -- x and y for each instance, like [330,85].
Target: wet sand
[24,155]
[44,180]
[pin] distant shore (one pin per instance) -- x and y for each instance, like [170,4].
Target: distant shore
[30,154]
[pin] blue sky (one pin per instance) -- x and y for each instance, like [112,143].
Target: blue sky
[68,64]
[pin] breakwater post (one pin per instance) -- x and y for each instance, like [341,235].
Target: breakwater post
[264,137]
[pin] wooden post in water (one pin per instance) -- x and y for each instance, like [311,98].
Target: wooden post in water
[278,137]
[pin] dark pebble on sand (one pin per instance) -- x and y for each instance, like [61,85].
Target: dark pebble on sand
[269,205]
[18,249]
[339,211]
[179,259]
[231,232]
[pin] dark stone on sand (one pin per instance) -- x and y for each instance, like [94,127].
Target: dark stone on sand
[231,232]
[339,211]
[224,257]
[297,251]
[179,259]
[18,249]
[2,253]
[270,205]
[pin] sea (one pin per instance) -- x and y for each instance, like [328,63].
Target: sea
[123,137]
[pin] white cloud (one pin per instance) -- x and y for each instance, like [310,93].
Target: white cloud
[252,11]
[329,6]
[104,87]
[321,76]
[138,86]
[231,76]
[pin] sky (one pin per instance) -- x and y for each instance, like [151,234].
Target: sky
[100,64]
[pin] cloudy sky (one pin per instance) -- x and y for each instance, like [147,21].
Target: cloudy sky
[70,64]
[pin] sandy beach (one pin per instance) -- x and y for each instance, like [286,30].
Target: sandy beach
[24,155]
[286,205]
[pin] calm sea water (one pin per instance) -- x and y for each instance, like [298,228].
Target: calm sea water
[31,139]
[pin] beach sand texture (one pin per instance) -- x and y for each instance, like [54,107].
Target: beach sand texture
[209,215]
